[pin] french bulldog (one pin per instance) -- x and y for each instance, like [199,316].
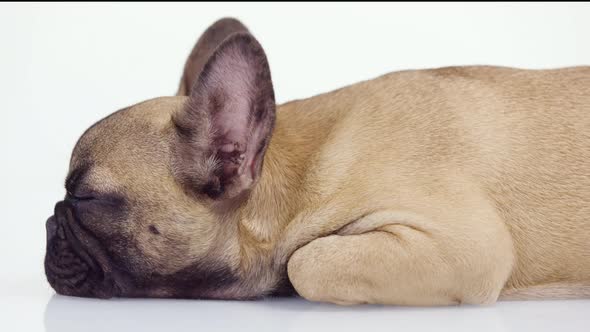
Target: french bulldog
[422,187]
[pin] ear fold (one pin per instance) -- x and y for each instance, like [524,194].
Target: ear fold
[226,124]
[204,48]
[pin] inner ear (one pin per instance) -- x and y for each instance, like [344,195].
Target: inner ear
[226,125]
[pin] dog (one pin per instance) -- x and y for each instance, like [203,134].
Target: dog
[422,187]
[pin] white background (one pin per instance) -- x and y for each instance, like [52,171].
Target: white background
[64,66]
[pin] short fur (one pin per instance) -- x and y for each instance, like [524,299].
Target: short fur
[423,187]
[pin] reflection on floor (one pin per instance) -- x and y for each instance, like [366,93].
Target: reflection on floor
[65,314]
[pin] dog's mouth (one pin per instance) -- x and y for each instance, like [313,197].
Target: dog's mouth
[75,262]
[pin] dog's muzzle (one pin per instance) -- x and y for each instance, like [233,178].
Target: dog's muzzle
[75,263]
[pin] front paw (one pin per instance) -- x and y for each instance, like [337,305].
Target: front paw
[313,272]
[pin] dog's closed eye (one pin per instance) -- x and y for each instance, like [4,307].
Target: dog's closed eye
[84,196]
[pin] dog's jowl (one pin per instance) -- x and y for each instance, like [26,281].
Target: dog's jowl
[426,187]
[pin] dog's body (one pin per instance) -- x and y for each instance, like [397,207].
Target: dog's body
[480,171]
[451,185]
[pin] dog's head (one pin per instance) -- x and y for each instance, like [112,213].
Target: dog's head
[150,186]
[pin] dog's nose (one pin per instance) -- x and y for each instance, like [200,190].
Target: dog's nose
[73,258]
[51,228]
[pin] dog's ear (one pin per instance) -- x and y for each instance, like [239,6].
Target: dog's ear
[206,45]
[225,127]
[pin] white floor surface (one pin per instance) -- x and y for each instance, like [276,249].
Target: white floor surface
[26,308]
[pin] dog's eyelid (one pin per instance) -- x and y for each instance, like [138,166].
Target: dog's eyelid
[81,192]
[75,179]
[80,197]
[103,197]
[85,196]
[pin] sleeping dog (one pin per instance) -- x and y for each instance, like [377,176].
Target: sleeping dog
[423,187]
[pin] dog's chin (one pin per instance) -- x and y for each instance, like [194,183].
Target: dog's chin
[75,262]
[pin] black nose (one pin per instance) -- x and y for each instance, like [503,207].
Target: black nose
[75,263]
[50,228]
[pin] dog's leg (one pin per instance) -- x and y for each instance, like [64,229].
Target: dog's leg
[553,291]
[403,264]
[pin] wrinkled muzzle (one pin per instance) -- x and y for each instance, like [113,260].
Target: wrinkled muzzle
[75,263]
